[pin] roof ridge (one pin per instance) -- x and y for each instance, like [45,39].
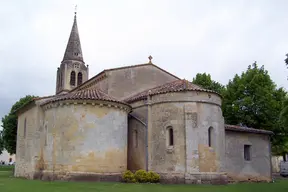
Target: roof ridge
[117,68]
[246,129]
[183,82]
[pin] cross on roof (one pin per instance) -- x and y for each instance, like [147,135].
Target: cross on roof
[75,12]
[150,59]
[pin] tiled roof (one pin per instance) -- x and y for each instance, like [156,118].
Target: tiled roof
[247,129]
[85,94]
[174,86]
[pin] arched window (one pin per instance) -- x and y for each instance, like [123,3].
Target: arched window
[25,124]
[170,136]
[72,78]
[210,133]
[79,78]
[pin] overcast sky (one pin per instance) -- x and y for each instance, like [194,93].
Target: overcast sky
[184,37]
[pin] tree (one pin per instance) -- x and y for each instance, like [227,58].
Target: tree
[206,82]
[286,60]
[9,132]
[253,100]
[1,143]
[284,121]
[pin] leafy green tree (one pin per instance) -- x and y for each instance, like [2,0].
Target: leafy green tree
[284,113]
[286,60]
[205,81]
[9,132]
[253,100]
[1,143]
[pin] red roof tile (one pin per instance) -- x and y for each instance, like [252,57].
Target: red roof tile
[85,94]
[174,86]
[247,129]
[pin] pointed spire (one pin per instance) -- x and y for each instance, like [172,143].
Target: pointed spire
[73,50]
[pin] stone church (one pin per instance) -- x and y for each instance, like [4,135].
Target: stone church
[130,118]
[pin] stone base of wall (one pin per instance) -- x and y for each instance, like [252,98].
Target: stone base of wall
[166,178]
[194,178]
[77,176]
[247,179]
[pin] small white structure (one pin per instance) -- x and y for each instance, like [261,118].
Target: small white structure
[6,157]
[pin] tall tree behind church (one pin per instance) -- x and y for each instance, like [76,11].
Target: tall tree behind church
[1,143]
[284,113]
[205,81]
[253,100]
[9,132]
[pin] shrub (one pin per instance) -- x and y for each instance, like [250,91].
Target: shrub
[128,177]
[141,176]
[153,177]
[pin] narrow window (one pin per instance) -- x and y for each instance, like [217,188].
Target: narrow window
[72,78]
[135,138]
[79,78]
[170,137]
[210,136]
[247,152]
[25,122]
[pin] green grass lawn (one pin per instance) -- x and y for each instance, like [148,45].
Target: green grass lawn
[10,184]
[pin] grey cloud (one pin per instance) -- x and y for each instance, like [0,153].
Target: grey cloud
[184,37]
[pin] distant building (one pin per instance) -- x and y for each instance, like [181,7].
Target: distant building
[134,117]
[6,157]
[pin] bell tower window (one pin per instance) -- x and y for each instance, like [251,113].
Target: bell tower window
[79,78]
[72,78]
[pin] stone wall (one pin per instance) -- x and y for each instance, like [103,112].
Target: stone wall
[189,114]
[259,167]
[126,82]
[26,143]
[73,141]
[85,138]
[276,163]
[136,144]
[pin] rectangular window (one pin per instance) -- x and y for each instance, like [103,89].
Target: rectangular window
[247,152]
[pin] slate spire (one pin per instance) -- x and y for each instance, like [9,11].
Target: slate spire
[73,50]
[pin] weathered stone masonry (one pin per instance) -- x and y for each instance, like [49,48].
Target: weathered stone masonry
[134,117]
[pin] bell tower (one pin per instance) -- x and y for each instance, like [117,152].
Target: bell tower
[72,71]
